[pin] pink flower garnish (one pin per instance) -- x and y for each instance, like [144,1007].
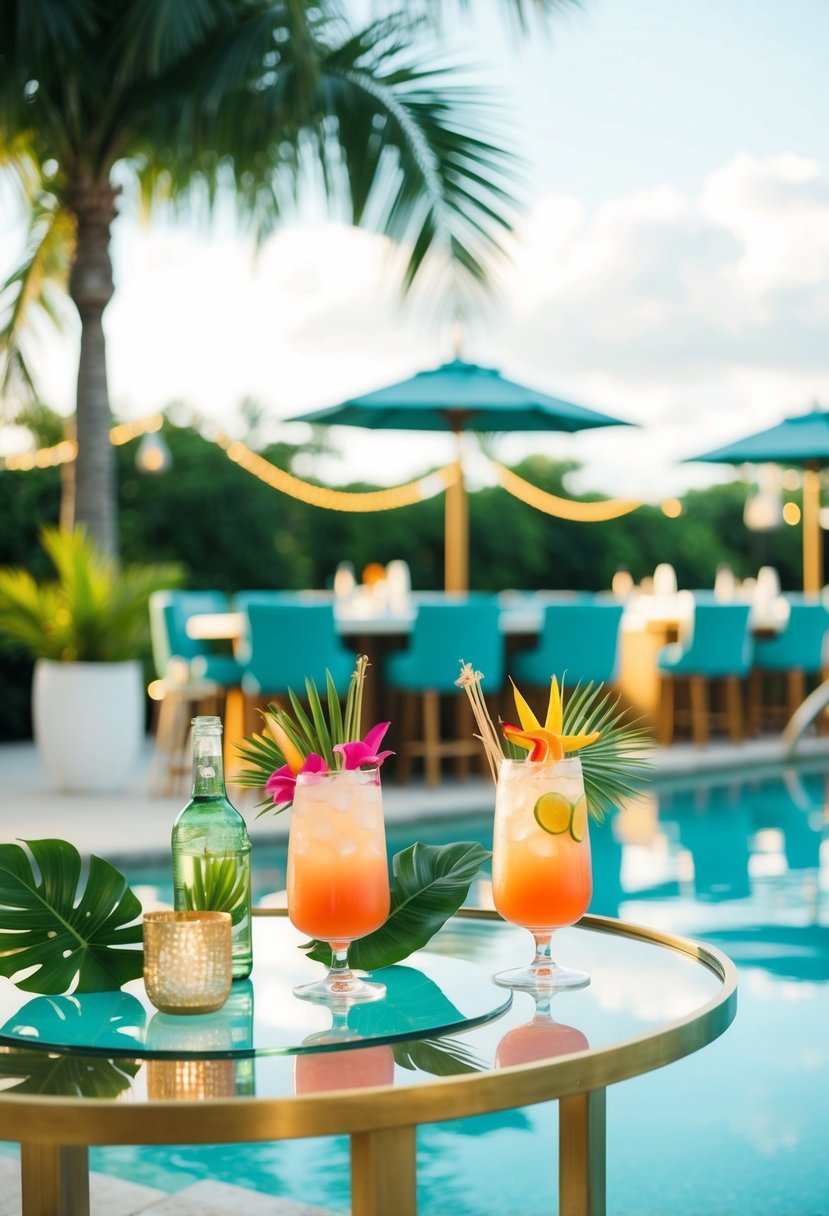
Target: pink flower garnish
[282,783]
[364,751]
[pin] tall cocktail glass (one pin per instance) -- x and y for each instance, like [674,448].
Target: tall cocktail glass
[338,880]
[541,874]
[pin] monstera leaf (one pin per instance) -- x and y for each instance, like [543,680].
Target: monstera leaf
[53,932]
[111,1021]
[430,882]
[33,1071]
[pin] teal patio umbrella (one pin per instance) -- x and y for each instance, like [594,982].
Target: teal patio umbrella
[801,440]
[457,397]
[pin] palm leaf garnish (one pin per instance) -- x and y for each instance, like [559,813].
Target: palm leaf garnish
[317,728]
[615,766]
[618,764]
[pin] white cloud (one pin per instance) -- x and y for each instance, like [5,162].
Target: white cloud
[699,315]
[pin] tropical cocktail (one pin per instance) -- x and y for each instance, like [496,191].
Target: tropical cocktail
[338,882]
[541,873]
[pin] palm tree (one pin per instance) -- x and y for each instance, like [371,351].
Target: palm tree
[185,101]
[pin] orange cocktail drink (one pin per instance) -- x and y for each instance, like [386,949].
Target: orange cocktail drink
[338,882]
[541,871]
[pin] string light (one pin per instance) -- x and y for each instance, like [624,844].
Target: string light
[67,449]
[562,508]
[339,500]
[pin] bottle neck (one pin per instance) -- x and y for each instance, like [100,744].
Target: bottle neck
[208,767]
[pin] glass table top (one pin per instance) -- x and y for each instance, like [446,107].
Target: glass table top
[443,1017]
[430,995]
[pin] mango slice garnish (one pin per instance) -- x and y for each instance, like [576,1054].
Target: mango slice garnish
[540,743]
[293,756]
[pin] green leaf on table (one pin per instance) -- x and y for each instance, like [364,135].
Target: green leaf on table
[48,927]
[438,1057]
[34,1071]
[113,1021]
[430,882]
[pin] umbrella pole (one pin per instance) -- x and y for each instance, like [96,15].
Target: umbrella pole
[812,539]
[456,560]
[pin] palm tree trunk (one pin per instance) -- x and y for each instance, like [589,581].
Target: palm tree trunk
[91,288]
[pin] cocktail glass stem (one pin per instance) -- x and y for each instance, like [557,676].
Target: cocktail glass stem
[543,963]
[543,974]
[341,985]
[340,975]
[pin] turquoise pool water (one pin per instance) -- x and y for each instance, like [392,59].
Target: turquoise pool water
[740,1127]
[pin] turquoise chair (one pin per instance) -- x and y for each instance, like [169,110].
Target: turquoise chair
[285,642]
[579,640]
[169,613]
[719,649]
[191,680]
[445,631]
[782,663]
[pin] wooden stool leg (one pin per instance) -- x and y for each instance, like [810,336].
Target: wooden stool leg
[754,702]
[699,709]
[734,705]
[667,706]
[408,726]
[795,691]
[464,730]
[431,737]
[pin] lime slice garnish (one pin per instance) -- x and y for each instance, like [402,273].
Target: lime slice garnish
[553,812]
[578,824]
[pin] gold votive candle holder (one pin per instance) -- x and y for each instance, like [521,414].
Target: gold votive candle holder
[188,963]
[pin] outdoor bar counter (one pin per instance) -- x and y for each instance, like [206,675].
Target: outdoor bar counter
[447,1043]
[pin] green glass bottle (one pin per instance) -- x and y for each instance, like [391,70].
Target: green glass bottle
[211,846]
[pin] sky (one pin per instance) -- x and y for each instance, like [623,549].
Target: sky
[671,267]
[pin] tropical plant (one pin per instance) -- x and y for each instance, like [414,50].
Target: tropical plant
[429,884]
[92,613]
[190,100]
[60,934]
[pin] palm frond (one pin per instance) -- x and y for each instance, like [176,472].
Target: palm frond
[618,764]
[319,730]
[35,290]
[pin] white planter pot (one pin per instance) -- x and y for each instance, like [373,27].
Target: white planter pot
[88,722]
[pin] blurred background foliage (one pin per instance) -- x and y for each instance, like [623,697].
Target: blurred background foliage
[230,531]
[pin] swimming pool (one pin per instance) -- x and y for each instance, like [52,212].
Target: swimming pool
[742,863]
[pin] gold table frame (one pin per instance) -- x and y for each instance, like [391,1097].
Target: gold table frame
[55,1133]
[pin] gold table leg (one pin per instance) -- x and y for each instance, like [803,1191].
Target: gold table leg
[54,1180]
[582,1144]
[383,1173]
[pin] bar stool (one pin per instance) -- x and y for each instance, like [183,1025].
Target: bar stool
[444,633]
[286,641]
[782,664]
[719,650]
[580,640]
